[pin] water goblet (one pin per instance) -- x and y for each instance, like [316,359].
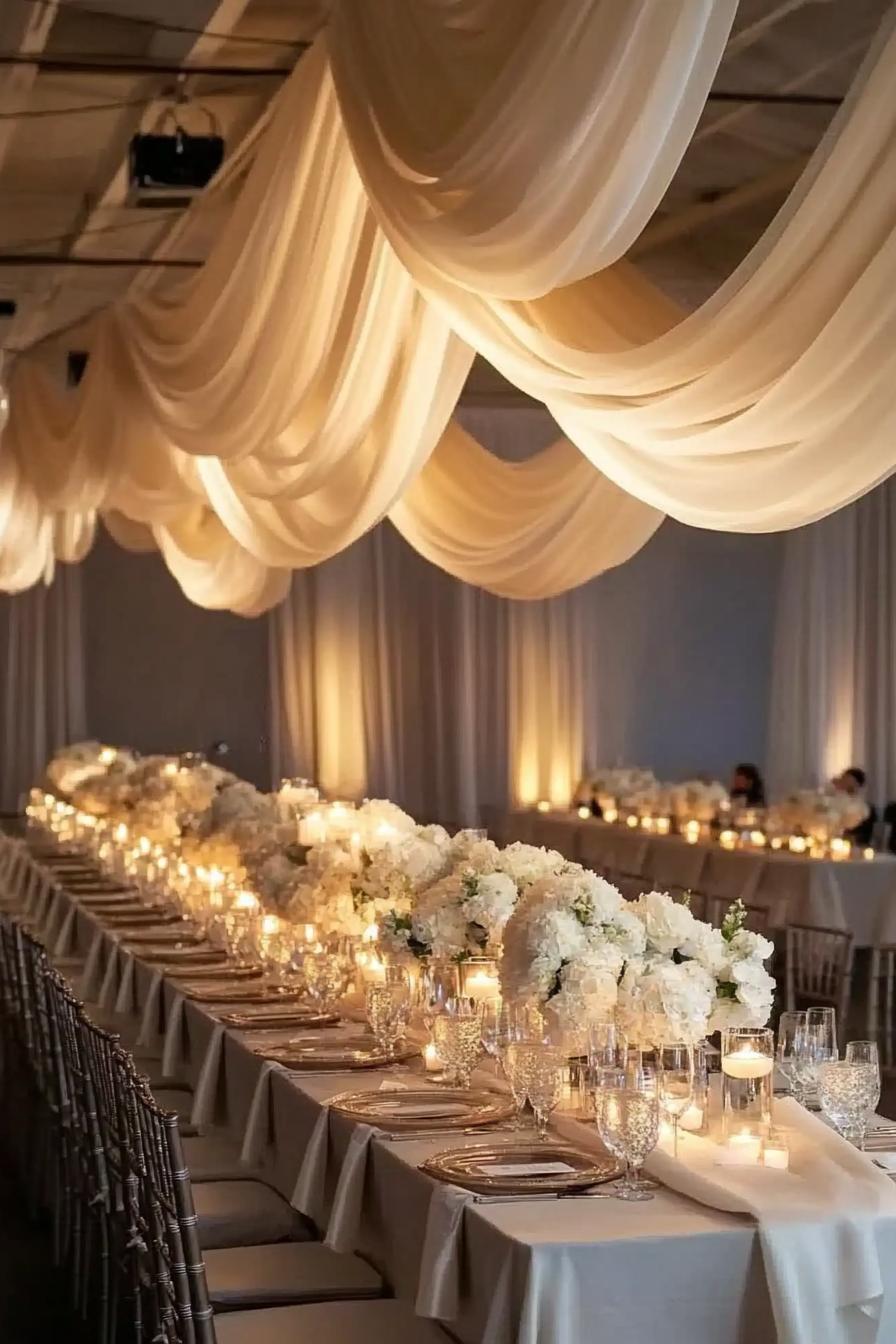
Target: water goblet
[845,1096]
[675,1076]
[812,1047]
[867,1055]
[458,1039]
[628,1121]
[824,1022]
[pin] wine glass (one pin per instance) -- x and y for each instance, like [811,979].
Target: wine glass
[675,1076]
[866,1054]
[789,1027]
[517,1061]
[387,1012]
[824,1021]
[544,1085]
[606,1055]
[628,1122]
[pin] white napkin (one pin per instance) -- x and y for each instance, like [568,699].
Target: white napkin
[90,976]
[816,1226]
[124,1002]
[257,1123]
[309,1192]
[66,930]
[439,1287]
[207,1083]
[149,1023]
[345,1216]
[173,1044]
[108,989]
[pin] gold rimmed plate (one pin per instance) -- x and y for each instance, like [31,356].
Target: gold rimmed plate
[337,1056]
[157,936]
[264,1018]
[521,1168]
[192,955]
[419,1107]
[206,990]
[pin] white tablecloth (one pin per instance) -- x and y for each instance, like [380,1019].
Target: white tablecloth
[560,1272]
[856,894]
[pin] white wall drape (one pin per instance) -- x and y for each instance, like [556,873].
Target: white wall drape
[402,211]
[834,663]
[41,680]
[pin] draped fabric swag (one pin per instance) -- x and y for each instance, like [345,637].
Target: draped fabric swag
[834,659]
[395,220]
[41,680]
[389,678]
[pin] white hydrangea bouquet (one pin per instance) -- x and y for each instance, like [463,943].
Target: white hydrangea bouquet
[464,913]
[80,761]
[610,785]
[577,950]
[691,978]
[823,814]
[695,800]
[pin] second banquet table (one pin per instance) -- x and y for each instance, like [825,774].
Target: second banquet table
[858,895]
[541,1272]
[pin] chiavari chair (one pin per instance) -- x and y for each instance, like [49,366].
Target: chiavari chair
[818,967]
[881,1025]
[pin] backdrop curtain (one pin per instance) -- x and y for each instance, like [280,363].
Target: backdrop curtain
[834,657]
[41,680]
[390,678]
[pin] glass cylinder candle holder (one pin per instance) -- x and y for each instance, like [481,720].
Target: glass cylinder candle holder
[695,1119]
[748,1059]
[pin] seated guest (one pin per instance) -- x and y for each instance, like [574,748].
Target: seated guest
[852,781]
[747,787]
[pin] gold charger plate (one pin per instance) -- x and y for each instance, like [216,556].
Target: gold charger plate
[206,990]
[356,1053]
[267,1019]
[139,914]
[158,936]
[524,1168]
[192,955]
[419,1107]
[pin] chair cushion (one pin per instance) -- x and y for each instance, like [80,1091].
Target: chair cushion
[245,1213]
[291,1272]
[334,1322]
[214,1157]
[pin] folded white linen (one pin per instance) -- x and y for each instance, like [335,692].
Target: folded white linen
[258,1119]
[818,1222]
[90,978]
[345,1216]
[66,931]
[203,1111]
[309,1192]
[109,987]
[438,1289]
[172,1048]
[149,1023]
[124,1000]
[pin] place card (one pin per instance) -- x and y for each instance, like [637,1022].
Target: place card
[527,1169]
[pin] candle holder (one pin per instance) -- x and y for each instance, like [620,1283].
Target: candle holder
[478,980]
[748,1059]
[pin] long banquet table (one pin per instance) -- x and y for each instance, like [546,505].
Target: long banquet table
[855,894]
[555,1272]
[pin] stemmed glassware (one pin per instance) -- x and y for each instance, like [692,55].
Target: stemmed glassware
[628,1121]
[458,1038]
[545,1070]
[328,976]
[388,1009]
[787,1058]
[846,1096]
[865,1055]
[815,1044]
[675,1076]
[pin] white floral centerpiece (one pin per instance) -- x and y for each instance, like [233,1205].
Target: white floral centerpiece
[464,913]
[566,946]
[823,814]
[82,761]
[696,800]
[613,784]
[691,978]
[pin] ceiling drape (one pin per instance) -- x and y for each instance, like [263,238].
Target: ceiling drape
[405,209]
